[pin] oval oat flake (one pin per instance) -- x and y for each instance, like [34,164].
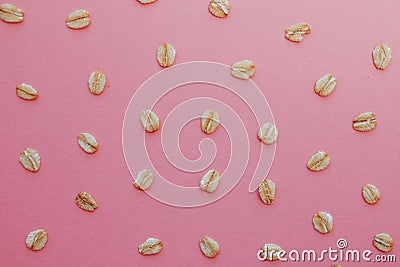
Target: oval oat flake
[364,122]
[78,19]
[267,191]
[26,92]
[271,252]
[11,14]
[371,194]
[323,222]
[36,240]
[209,247]
[319,161]
[150,121]
[210,121]
[325,85]
[219,8]
[144,179]
[383,242]
[85,201]
[268,133]
[295,32]
[166,55]
[151,246]
[382,55]
[30,159]
[210,181]
[97,82]
[244,69]
[88,143]
[146,1]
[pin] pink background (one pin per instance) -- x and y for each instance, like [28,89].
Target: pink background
[121,41]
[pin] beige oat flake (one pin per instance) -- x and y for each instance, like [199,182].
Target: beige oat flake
[149,120]
[11,14]
[295,32]
[381,55]
[210,181]
[267,191]
[166,55]
[88,143]
[210,121]
[209,247]
[78,19]
[271,251]
[371,194]
[144,179]
[97,82]
[244,69]
[319,161]
[325,85]
[36,240]
[30,159]
[383,242]
[364,122]
[323,222]
[86,202]
[26,92]
[146,1]
[268,133]
[151,246]
[219,8]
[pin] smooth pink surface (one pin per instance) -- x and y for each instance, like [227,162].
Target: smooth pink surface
[121,41]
